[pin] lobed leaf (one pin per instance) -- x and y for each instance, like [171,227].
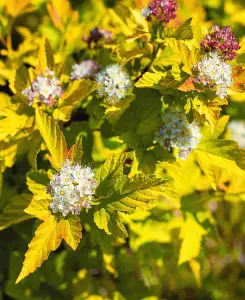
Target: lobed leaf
[119,193]
[71,231]
[47,238]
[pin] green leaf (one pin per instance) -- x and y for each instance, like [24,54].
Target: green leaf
[119,193]
[138,124]
[45,56]
[1,183]
[138,191]
[184,32]
[13,212]
[191,234]
[112,169]
[53,138]
[36,142]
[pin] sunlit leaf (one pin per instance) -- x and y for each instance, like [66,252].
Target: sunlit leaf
[37,182]
[238,76]
[117,192]
[75,153]
[76,92]
[45,56]
[53,138]
[184,31]
[101,219]
[39,208]
[47,238]
[191,234]
[187,56]
[71,231]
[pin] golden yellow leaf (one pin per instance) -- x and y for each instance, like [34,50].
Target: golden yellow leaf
[47,238]
[238,76]
[101,219]
[45,56]
[16,7]
[191,234]
[39,208]
[53,138]
[187,56]
[196,268]
[71,231]
[59,11]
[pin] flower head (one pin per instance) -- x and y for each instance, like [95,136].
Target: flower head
[176,132]
[221,40]
[114,83]
[85,69]
[214,72]
[162,10]
[98,34]
[72,189]
[146,12]
[45,88]
[237,128]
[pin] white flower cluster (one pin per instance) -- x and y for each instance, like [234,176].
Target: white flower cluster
[214,72]
[237,129]
[176,132]
[85,69]
[45,88]
[72,189]
[146,12]
[114,83]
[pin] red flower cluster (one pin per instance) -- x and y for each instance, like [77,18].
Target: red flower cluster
[163,10]
[98,34]
[223,41]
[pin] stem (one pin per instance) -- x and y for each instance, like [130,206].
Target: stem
[155,51]
[9,37]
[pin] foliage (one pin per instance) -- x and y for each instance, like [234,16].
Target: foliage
[125,93]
